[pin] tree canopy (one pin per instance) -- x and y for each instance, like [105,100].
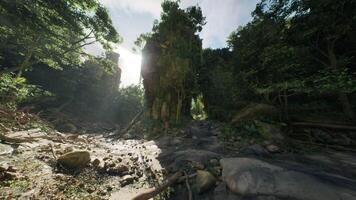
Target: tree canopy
[171,57]
[51,32]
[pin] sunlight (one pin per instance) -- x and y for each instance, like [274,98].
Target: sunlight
[130,64]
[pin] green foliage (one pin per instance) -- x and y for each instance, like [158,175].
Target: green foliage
[51,32]
[173,52]
[197,111]
[216,82]
[128,103]
[292,53]
[15,90]
[89,92]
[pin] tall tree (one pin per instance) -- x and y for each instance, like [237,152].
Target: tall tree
[327,27]
[171,57]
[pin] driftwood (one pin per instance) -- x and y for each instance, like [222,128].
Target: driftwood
[11,140]
[322,125]
[150,193]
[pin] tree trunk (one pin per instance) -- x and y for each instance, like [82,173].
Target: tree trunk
[342,96]
[25,63]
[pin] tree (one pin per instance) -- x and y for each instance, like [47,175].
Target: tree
[171,57]
[326,26]
[51,32]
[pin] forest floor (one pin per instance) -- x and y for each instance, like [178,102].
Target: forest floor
[122,166]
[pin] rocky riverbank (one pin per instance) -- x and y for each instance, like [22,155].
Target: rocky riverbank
[54,165]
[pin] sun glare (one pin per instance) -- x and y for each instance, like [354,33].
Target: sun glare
[130,64]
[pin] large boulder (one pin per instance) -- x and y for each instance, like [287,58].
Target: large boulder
[204,181]
[252,177]
[255,111]
[75,159]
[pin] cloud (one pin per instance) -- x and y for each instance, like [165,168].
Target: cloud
[132,17]
[223,17]
[152,7]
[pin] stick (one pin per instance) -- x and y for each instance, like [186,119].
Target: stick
[133,122]
[150,193]
[190,195]
[181,179]
[53,153]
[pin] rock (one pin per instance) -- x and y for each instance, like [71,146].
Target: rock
[5,149]
[269,131]
[272,148]
[8,172]
[66,127]
[214,162]
[254,150]
[197,165]
[222,193]
[75,159]
[117,170]
[204,181]
[252,177]
[96,162]
[180,159]
[255,111]
[127,180]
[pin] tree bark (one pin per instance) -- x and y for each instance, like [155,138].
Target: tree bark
[25,63]
[342,96]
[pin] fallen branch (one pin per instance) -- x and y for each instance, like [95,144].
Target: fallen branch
[328,146]
[321,125]
[181,179]
[190,194]
[53,153]
[155,191]
[132,123]
[11,140]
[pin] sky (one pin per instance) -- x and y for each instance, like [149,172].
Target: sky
[133,17]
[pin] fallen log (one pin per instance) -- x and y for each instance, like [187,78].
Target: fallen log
[322,125]
[150,193]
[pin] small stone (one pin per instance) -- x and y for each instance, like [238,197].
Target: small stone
[214,162]
[127,180]
[198,165]
[273,148]
[109,188]
[134,159]
[90,190]
[96,162]
[118,170]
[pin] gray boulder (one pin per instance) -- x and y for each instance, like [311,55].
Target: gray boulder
[252,177]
